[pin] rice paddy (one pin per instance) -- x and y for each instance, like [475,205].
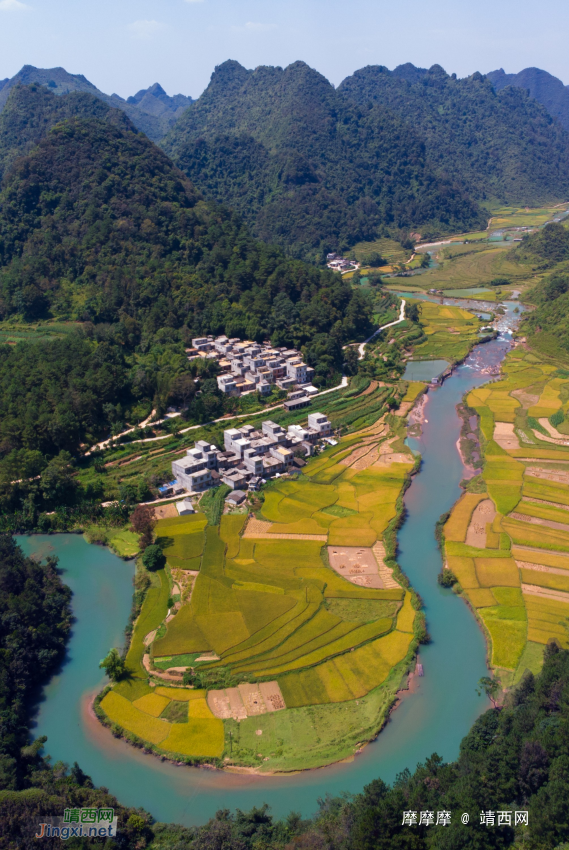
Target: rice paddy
[518,590]
[266,609]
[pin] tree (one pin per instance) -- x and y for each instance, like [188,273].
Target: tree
[57,483]
[143,522]
[491,687]
[113,665]
[153,558]
[351,360]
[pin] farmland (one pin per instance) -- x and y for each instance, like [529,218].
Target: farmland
[517,581]
[244,614]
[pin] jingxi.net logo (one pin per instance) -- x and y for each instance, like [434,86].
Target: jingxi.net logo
[80,823]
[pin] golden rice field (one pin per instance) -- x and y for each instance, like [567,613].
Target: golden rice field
[273,609]
[506,586]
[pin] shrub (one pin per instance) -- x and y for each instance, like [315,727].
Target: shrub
[153,558]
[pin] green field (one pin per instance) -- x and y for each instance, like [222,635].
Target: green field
[515,622]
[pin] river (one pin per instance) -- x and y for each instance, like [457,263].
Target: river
[434,718]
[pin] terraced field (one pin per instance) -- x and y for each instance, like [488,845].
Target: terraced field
[451,332]
[518,579]
[262,603]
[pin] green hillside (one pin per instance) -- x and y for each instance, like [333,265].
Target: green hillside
[31,111]
[310,169]
[99,231]
[499,146]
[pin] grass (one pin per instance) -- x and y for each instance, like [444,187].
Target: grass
[154,610]
[497,572]
[198,737]
[361,610]
[120,710]
[176,712]
[508,639]
[536,535]
[461,514]
[474,269]
[311,736]
[152,704]
[180,694]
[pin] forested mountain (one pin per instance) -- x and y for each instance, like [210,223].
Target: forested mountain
[309,168]
[96,223]
[501,146]
[544,87]
[98,226]
[150,110]
[31,111]
[548,323]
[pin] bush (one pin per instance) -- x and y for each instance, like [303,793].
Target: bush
[153,558]
[446,578]
[557,418]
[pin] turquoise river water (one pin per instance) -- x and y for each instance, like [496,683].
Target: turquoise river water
[434,718]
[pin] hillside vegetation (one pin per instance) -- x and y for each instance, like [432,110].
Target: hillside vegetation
[499,146]
[544,87]
[309,168]
[151,110]
[98,227]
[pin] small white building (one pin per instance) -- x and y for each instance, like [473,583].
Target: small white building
[185,507]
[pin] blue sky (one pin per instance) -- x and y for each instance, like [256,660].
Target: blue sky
[125,45]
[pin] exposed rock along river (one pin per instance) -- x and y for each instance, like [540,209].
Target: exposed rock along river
[433,718]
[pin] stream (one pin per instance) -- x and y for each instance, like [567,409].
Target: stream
[434,717]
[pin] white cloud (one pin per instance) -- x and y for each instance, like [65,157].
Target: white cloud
[145,29]
[254,26]
[13,6]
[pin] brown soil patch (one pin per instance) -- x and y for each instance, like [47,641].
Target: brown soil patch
[165,511]
[534,590]
[363,456]
[260,530]
[484,513]
[404,408]
[393,457]
[247,700]
[533,520]
[553,432]
[385,572]
[356,564]
[505,436]
[372,388]
[559,475]
[526,399]
[541,568]
[544,438]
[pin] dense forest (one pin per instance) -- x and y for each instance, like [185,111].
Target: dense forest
[96,224]
[544,87]
[499,146]
[548,323]
[97,227]
[151,110]
[306,166]
[514,759]
[33,110]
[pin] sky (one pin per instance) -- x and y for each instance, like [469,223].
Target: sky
[125,45]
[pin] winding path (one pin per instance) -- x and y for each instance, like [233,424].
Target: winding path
[361,347]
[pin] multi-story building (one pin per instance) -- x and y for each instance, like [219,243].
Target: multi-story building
[249,454]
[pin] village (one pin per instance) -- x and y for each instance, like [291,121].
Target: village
[248,367]
[249,458]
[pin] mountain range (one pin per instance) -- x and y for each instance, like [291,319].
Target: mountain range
[314,168]
[150,110]
[544,87]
